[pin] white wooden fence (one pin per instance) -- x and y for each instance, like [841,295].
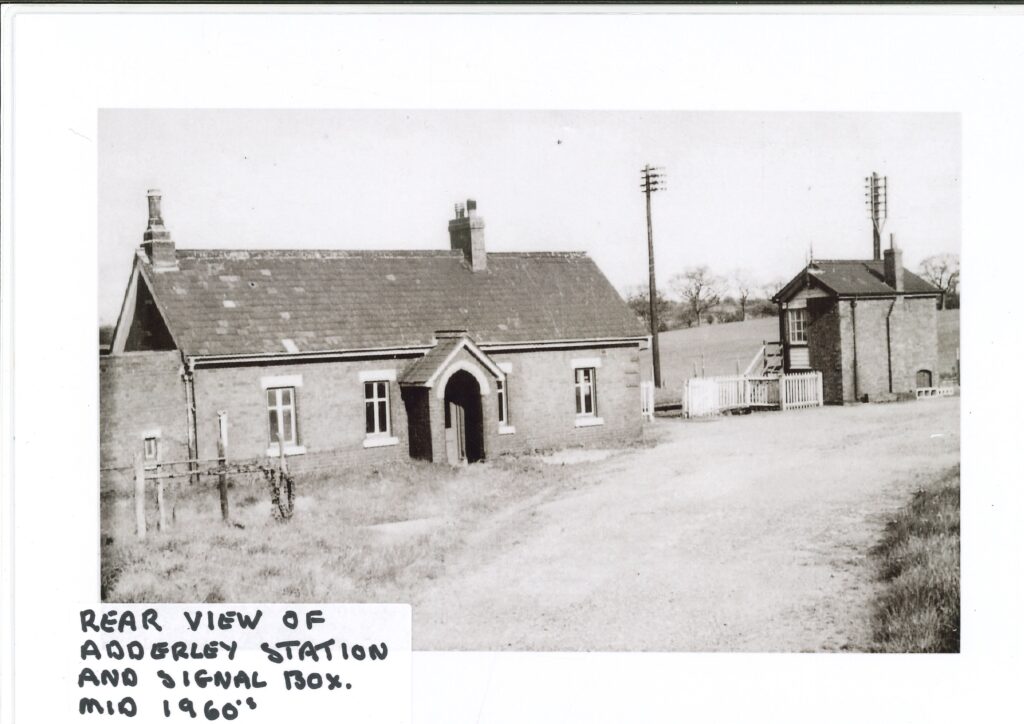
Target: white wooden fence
[714,395]
[802,390]
[647,400]
[923,392]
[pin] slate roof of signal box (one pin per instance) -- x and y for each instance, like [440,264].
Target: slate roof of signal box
[248,302]
[853,278]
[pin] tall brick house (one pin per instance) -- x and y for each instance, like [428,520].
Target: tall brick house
[869,327]
[366,356]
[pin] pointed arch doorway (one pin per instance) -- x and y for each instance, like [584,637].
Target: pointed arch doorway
[463,419]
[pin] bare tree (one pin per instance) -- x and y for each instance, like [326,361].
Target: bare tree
[638,300]
[943,270]
[699,289]
[744,287]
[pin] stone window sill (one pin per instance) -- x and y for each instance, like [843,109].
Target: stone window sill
[589,421]
[273,451]
[506,430]
[379,441]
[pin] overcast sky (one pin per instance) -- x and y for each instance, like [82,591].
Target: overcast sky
[748,191]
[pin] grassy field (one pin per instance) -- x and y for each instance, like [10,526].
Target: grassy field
[352,538]
[918,610]
[719,349]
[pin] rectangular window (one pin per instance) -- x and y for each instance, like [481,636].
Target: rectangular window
[281,410]
[378,413]
[149,448]
[502,402]
[798,326]
[586,391]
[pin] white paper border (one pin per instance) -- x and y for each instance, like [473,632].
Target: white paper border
[63,64]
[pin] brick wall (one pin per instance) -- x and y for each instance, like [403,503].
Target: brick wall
[914,345]
[824,344]
[331,421]
[140,391]
[417,411]
[330,412]
[913,334]
[915,342]
[542,399]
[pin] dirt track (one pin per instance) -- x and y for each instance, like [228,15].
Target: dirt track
[736,534]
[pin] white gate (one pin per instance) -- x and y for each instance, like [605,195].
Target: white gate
[714,395]
[647,400]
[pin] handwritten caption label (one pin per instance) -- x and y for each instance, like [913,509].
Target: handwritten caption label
[253,663]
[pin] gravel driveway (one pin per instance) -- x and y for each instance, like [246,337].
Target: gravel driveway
[746,533]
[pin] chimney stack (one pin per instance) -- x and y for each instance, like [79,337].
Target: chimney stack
[467,235]
[894,265]
[157,241]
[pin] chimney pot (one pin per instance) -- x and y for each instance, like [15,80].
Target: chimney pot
[156,241]
[893,265]
[466,232]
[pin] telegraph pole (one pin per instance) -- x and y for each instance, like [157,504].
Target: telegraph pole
[877,193]
[653,179]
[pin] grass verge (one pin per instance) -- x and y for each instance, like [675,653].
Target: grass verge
[371,535]
[918,610]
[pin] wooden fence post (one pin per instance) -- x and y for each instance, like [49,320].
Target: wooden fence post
[282,463]
[782,392]
[222,476]
[821,390]
[140,497]
[161,521]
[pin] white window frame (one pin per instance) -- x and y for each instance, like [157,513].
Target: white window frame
[153,435]
[291,446]
[378,437]
[792,329]
[584,417]
[501,392]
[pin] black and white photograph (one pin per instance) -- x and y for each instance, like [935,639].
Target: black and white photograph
[493,364]
[411,356]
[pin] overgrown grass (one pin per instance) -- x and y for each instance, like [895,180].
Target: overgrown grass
[918,610]
[371,536]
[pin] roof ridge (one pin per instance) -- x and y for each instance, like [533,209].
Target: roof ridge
[341,253]
[316,253]
[846,261]
[538,253]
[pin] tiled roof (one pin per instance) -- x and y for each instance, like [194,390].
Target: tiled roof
[420,371]
[250,302]
[853,278]
[424,369]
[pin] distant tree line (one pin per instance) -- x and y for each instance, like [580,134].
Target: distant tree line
[699,296]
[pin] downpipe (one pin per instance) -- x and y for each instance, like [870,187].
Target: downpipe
[888,340]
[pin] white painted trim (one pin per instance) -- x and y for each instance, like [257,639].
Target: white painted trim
[212,360]
[588,421]
[473,351]
[152,432]
[281,381]
[272,451]
[505,367]
[378,376]
[127,314]
[506,429]
[800,303]
[579,362]
[481,378]
[379,440]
